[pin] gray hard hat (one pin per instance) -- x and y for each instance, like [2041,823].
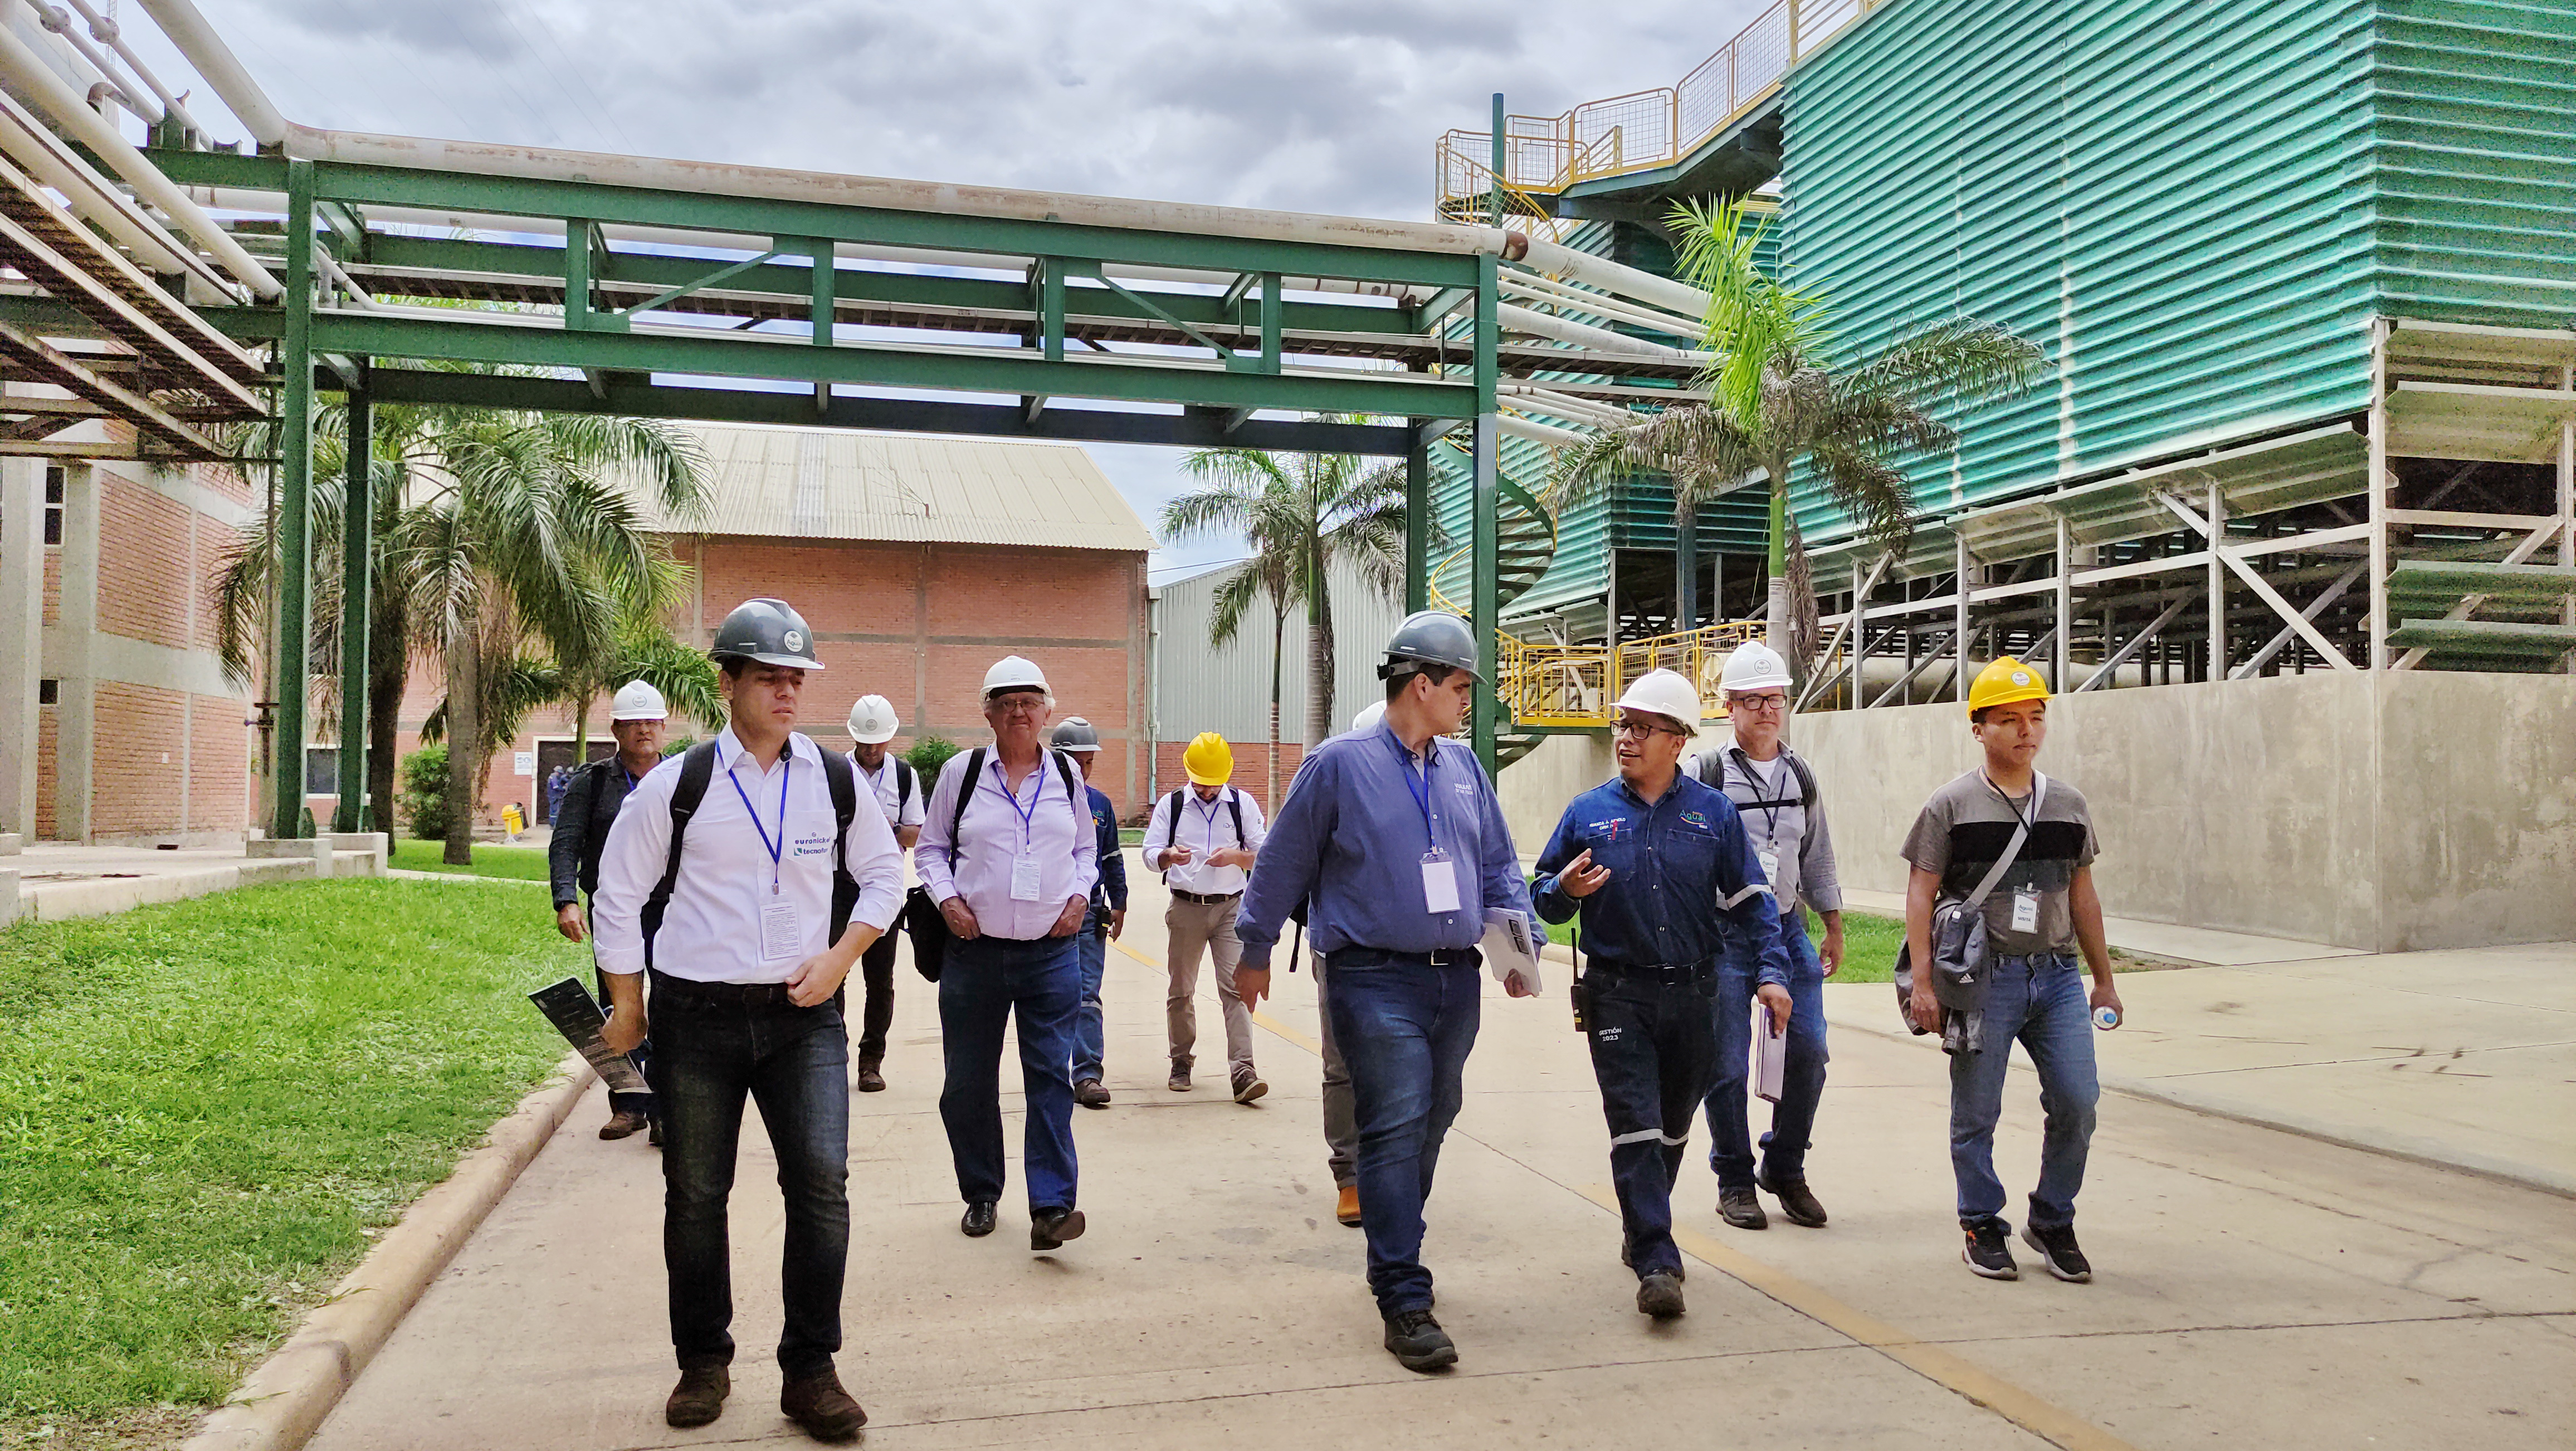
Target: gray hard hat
[1076,734]
[1430,637]
[766,631]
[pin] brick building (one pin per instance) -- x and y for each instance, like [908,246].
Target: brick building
[116,723]
[918,562]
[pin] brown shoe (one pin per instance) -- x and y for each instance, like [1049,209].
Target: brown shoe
[625,1123]
[699,1397]
[1090,1094]
[1348,1209]
[870,1080]
[1248,1086]
[817,1403]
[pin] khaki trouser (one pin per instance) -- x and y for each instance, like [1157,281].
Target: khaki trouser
[1198,927]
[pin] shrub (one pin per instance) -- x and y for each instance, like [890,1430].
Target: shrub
[424,792]
[929,754]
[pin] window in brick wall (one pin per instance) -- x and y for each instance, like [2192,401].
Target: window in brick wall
[49,692]
[54,486]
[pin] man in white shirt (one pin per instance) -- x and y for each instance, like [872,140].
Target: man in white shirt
[728,876]
[898,789]
[1009,854]
[1203,840]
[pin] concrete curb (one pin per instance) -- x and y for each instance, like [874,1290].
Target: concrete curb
[283,1401]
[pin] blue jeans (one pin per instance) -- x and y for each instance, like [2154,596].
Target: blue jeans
[1654,1050]
[714,1045]
[983,983]
[1802,1079]
[1092,946]
[1404,1028]
[2041,1001]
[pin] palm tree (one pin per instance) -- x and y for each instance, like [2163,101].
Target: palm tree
[1775,402]
[1301,516]
[644,650]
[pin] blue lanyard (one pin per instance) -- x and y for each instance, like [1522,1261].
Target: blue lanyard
[1420,791]
[1028,817]
[776,849]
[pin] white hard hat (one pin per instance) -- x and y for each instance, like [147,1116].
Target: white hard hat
[1667,693]
[872,721]
[1370,714]
[637,700]
[1013,672]
[1754,666]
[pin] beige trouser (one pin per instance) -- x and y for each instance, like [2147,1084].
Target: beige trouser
[1196,928]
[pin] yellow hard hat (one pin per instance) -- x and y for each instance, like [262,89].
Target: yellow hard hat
[2005,682]
[1209,760]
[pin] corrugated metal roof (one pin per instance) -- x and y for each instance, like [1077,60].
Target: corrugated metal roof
[818,483]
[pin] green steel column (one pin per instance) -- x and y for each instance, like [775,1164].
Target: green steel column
[294,506]
[1495,214]
[1487,518]
[357,594]
[1417,519]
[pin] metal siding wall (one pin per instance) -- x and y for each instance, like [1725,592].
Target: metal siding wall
[1203,687]
[2477,160]
[2171,196]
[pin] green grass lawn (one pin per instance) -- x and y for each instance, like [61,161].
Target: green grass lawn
[527,863]
[206,1107]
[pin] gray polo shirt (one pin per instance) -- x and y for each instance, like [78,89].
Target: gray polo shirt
[1776,816]
[1965,827]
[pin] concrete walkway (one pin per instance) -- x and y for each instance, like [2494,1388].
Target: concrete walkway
[2196,946]
[2256,1288]
[48,881]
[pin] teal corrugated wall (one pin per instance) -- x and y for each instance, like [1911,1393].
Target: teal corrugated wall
[2173,197]
[2477,160]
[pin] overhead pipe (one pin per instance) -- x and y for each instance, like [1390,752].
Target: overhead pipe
[46,91]
[1663,292]
[105,29]
[1546,289]
[57,20]
[43,156]
[1578,410]
[214,60]
[1598,339]
[1520,427]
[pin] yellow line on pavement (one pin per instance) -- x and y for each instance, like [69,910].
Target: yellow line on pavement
[1262,1018]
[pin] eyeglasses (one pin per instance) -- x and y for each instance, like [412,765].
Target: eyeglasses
[1018,704]
[1640,729]
[1771,702]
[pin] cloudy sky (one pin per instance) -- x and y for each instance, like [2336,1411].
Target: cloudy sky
[1325,105]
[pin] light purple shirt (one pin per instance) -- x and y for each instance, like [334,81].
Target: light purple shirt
[1043,824]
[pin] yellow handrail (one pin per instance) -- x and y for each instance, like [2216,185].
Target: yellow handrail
[1578,686]
[1647,129]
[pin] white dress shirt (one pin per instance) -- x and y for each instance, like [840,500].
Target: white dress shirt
[888,784]
[1206,827]
[718,925]
[999,830]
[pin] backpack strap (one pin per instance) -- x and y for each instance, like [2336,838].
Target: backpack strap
[1234,803]
[1074,795]
[1806,779]
[843,779]
[697,768]
[906,781]
[965,792]
[1171,833]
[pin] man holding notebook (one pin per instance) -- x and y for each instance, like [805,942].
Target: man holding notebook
[1665,876]
[2016,848]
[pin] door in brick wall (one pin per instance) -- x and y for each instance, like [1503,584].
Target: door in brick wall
[556,755]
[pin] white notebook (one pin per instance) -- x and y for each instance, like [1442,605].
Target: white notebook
[1510,949]
[1770,1060]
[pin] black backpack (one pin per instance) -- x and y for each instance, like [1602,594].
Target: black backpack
[697,768]
[1233,803]
[922,920]
[1714,773]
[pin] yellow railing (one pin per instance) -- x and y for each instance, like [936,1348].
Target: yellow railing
[1542,684]
[1646,129]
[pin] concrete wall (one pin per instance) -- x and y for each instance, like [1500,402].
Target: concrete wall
[2388,812]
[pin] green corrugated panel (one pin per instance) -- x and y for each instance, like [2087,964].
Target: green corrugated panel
[2171,196]
[2477,160]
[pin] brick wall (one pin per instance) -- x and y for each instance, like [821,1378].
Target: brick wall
[146,577]
[48,735]
[53,583]
[1251,767]
[219,746]
[138,761]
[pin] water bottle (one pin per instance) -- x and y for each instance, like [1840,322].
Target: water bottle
[2106,1017]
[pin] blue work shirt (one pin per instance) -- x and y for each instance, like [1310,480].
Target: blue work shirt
[1110,892]
[1351,836]
[1684,882]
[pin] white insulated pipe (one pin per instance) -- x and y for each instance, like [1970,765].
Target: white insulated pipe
[1663,292]
[47,92]
[43,156]
[1529,286]
[59,21]
[1539,432]
[214,60]
[106,29]
[1577,410]
[1598,339]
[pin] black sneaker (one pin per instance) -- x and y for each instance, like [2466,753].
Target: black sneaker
[1989,1251]
[1050,1228]
[1418,1343]
[1660,1295]
[2057,1250]
[1738,1207]
[1797,1203]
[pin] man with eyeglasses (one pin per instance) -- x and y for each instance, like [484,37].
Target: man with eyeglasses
[1776,794]
[1673,903]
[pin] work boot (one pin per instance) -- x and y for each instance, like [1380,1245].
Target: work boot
[625,1123]
[1050,1228]
[1660,1295]
[2057,1250]
[817,1403]
[1796,1201]
[1347,1208]
[978,1221]
[1248,1085]
[653,1135]
[1738,1207]
[1417,1341]
[699,1397]
[1989,1250]
[870,1079]
[1090,1094]
[1628,1257]
[1180,1081]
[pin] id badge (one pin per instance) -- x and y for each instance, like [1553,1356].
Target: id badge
[1024,879]
[1439,881]
[2025,910]
[780,935]
[1770,859]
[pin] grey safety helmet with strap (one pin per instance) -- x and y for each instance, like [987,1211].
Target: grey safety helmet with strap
[1075,734]
[1428,638]
[767,632]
